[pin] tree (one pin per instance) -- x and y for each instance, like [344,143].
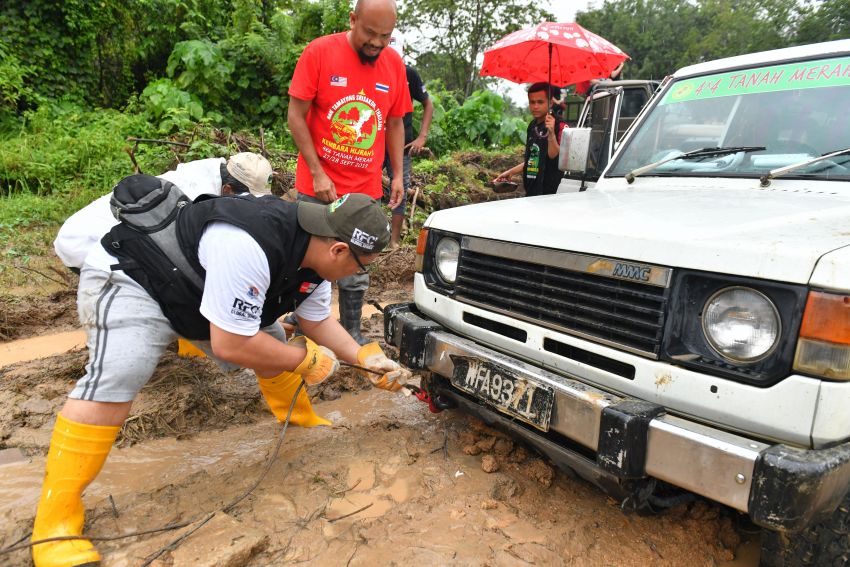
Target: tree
[456,32]
[661,36]
[823,21]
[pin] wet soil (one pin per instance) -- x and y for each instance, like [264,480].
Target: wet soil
[387,484]
[23,315]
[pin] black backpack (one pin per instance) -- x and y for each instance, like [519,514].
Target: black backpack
[150,206]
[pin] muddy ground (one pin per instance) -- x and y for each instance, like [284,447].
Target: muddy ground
[387,484]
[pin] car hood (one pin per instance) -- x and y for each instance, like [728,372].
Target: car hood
[776,233]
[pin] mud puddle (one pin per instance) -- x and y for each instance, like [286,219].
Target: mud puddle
[40,347]
[387,483]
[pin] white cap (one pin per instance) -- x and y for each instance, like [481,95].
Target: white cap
[397,43]
[253,170]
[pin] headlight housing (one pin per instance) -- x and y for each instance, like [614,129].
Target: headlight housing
[446,255]
[741,324]
[702,334]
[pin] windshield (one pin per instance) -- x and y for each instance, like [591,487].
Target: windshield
[797,112]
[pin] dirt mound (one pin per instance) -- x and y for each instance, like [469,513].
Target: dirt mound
[393,271]
[185,396]
[462,179]
[27,315]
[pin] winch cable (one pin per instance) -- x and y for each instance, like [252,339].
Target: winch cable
[174,544]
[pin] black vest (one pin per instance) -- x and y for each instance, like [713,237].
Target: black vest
[271,222]
[546,179]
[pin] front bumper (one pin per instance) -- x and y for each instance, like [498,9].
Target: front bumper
[610,439]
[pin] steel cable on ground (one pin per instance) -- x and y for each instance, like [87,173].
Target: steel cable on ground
[174,544]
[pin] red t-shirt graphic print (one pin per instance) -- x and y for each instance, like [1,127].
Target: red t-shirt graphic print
[347,120]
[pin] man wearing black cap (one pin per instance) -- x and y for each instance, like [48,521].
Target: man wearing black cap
[255,259]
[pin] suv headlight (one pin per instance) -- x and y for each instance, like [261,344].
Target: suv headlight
[446,255]
[741,324]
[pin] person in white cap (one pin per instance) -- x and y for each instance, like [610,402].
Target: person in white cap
[245,172]
[255,259]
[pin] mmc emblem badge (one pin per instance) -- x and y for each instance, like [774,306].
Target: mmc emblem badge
[632,272]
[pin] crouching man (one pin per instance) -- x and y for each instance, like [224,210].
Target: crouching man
[253,260]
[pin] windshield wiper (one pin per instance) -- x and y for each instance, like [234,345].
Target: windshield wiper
[694,154]
[774,173]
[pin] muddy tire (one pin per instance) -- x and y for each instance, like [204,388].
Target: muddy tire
[824,544]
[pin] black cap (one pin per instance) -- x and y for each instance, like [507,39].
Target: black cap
[354,218]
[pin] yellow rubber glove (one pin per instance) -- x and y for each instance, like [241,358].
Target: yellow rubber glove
[372,356]
[319,363]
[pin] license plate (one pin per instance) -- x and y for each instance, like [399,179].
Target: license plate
[510,394]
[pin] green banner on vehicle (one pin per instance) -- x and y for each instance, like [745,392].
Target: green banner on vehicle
[804,75]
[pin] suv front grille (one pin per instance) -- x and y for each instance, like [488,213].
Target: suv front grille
[601,307]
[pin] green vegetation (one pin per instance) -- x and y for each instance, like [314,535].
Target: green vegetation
[664,35]
[459,30]
[77,79]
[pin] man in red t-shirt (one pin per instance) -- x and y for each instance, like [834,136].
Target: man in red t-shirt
[347,99]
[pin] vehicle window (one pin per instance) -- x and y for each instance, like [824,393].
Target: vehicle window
[599,122]
[797,112]
[633,101]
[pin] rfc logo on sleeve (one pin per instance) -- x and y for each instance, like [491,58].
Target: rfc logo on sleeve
[307,287]
[242,309]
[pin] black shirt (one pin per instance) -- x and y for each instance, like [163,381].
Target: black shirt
[417,92]
[540,173]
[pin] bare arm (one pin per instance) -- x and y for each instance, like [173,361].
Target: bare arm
[506,175]
[552,147]
[263,353]
[296,118]
[331,334]
[427,114]
[395,147]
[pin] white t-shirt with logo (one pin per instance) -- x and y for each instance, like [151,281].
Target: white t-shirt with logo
[237,279]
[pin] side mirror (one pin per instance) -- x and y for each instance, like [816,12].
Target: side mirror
[575,146]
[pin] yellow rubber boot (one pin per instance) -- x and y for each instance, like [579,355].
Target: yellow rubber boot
[278,392]
[77,453]
[187,349]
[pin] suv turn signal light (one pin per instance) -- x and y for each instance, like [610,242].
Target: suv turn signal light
[823,348]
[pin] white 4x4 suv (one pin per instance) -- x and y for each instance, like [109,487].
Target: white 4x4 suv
[684,326]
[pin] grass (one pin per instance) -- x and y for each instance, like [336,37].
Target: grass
[60,159]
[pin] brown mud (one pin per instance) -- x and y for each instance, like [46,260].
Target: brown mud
[387,484]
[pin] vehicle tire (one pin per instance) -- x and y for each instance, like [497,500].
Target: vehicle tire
[824,544]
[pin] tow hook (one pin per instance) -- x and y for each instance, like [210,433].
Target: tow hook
[436,405]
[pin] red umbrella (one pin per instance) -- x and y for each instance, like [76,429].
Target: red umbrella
[560,54]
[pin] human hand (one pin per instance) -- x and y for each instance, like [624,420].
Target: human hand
[617,70]
[319,363]
[550,124]
[371,356]
[396,192]
[324,188]
[416,146]
[505,176]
